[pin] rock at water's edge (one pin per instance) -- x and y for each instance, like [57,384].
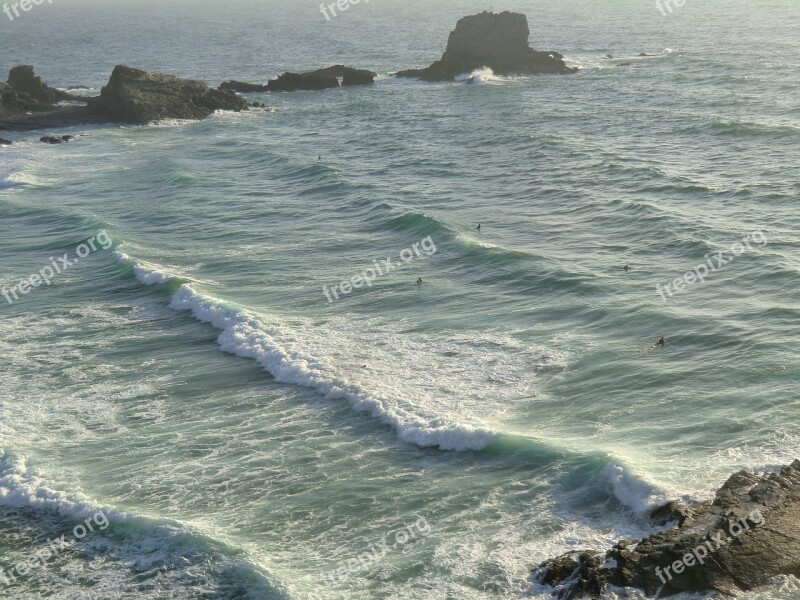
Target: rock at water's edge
[741,540]
[242,87]
[137,96]
[349,75]
[22,79]
[4,142]
[293,82]
[51,139]
[498,41]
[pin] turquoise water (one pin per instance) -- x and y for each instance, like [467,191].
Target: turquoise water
[247,438]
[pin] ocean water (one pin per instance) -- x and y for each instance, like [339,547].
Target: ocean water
[189,410]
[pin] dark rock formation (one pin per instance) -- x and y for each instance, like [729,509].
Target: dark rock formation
[51,139]
[293,82]
[349,75]
[22,79]
[4,142]
[320,79]
[748,535]
[498,41]
[242,87]
[78,87]
[25,93]
[136,96]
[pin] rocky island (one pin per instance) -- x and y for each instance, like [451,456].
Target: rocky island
[747,535]
[498,41]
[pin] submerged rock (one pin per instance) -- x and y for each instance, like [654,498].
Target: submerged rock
[5,142]
[349,75]
[498,41]
[320,79]
[137,96]
[739,541]
[51,139]
[242,87]
[293,82]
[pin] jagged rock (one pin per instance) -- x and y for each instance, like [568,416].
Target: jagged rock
[498,41]
[51,139]
[22,79]
[4,142]
[741,540]
[242,87]
[293,82]
[349,75]
[13,102]
[137,96]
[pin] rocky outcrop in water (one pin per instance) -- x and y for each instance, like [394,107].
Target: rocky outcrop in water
[749,534]
[52,139]
[25,93]
[295,82]
[321,79]
[242,87]
[5,142]
[136,96]
[23,80]
[349,75]
[498,41]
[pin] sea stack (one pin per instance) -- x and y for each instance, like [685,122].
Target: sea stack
[495,40]
[136,96]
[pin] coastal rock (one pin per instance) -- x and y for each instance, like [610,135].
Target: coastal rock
[137,96]
[349,75]
[13,102]
[293,82]
[51,139]
[242,87]
[5,142]
[498,41]
[739,541]
[23,80]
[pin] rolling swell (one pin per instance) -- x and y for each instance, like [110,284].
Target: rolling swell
[276,349]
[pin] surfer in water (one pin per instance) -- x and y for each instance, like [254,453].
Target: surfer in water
[419,280]
[662,341]
[478,227]
[627,267]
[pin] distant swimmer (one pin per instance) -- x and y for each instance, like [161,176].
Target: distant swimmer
[320,157]
[662,341]
[419,280]
[627,267]
[478,227]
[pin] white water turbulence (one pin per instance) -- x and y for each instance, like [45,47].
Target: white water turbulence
[283,354]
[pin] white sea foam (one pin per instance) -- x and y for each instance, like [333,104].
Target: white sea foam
[282,353]
[483,76]
[634,492]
